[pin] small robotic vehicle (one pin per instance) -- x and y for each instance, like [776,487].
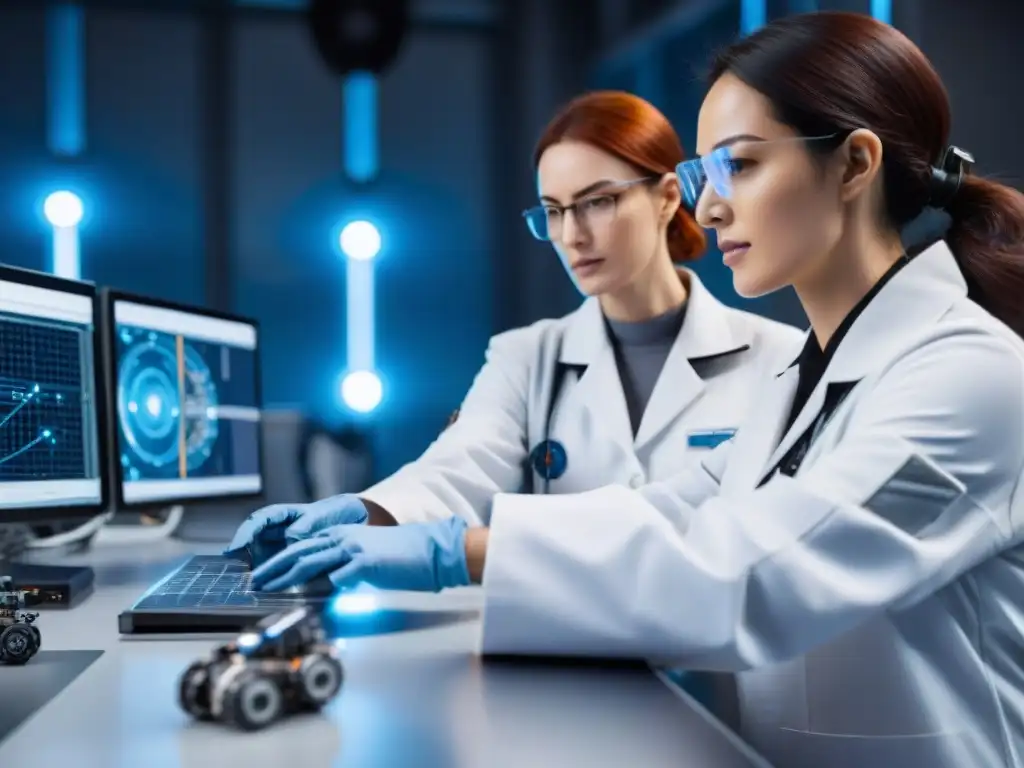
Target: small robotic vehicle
[20,638]
[284,665]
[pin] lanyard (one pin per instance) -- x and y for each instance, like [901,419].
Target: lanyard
[793,459]
[548,458]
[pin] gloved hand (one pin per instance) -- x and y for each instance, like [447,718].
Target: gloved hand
[269,530]
[425,557]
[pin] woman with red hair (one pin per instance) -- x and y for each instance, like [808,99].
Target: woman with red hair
[649,368]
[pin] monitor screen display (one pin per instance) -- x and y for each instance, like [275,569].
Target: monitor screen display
[186,398]
[49,435]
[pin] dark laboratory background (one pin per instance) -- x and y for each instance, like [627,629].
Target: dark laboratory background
[206,142]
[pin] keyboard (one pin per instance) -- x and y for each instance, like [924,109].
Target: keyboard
[211,581]
[211,594]
[207,593]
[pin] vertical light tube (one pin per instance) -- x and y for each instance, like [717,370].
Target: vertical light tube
[361,388]
[360,311]
[65,126]
[65,63]
[753,15]
[360,105]
[66,261]
[63,210]
[882,10]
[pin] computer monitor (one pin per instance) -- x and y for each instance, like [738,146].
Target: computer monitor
[51,462]
[185,401]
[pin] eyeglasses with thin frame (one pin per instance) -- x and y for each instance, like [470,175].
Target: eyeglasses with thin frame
[591,212]
[719,167]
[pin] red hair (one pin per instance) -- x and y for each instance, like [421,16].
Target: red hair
[634,131]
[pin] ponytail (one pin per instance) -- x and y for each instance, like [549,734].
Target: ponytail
[987,239]
[686,240]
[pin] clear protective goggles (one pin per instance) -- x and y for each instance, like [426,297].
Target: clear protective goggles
[718,168]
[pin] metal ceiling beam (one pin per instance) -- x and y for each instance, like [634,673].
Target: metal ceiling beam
[683,17]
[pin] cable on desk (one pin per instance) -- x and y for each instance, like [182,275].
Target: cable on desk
[141,534]
[97,531]
[78,535]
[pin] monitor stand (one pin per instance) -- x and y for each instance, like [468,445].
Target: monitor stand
[50,586]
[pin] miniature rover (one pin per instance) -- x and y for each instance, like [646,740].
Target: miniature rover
[282,666]
[20,638]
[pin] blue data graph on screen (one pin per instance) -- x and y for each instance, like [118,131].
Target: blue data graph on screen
[45,401]
[172,394]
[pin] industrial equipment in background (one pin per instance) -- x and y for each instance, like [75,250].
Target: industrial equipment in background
[358,35]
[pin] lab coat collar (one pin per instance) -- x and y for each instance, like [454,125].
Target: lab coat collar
[707,329]
[914,299]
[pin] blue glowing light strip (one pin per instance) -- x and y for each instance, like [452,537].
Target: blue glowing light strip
[753,15]
[360,105]
[359,95]
[66,261]
[65,60]
[360,311]
[882,10]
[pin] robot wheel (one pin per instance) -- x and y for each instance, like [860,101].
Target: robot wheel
[252,701]
[18,644]
[194,691]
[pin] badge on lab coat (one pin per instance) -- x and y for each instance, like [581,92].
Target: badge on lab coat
[710,438]
[549,459]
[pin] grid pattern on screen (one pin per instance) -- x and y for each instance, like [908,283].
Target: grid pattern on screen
[209,582]
[43,400]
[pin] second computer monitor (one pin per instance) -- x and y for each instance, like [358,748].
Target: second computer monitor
[186,402]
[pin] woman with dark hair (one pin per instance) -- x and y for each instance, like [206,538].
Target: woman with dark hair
[854,554]
[649,368]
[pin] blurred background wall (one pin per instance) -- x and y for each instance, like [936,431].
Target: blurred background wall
[211,165]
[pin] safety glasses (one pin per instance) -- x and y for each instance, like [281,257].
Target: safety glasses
[592,212]
[719,167]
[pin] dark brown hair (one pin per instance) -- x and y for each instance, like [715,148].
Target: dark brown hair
[633,130]
[832,73]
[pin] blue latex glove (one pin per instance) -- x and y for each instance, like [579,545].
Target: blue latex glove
[426,557]
[269,530]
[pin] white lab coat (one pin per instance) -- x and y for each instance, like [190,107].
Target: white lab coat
[872,605]
[503,416]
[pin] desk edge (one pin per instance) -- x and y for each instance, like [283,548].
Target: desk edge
[713,721]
